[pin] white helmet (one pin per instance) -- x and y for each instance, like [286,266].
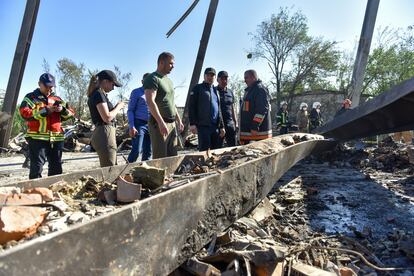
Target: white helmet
[302,105]
[316,104]
[283,103]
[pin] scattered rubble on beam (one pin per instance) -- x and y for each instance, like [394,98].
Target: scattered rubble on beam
[87,198]
[280,236]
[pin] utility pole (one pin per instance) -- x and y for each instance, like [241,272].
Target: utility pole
[200,55]
[361,59]
[19,63]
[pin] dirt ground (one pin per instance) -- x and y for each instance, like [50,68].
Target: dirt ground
[343,200]
[11,169]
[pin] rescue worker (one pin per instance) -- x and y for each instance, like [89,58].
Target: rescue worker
[346,105]
[255,121]
[315,116]
[302,118]
[44,112]
[282,118]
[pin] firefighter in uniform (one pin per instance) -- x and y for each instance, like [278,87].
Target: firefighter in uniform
[255,121]
[282,118]
[315,117]
[44,111]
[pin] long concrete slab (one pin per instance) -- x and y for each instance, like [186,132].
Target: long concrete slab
[157,234]
[389,112]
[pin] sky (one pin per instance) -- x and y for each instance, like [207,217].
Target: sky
[131,34]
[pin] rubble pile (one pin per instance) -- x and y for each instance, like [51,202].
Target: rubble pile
[277,238]
[64,204]
[388,157]
[77,139]
[284,234]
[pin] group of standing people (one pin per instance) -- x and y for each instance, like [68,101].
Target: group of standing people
[306,121]
[212,111]
[154,123]
[152,115]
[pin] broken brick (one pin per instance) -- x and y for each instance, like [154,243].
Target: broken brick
[17,222]
[46,193]
[23,199]
[127,191]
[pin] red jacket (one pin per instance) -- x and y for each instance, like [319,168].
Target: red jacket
[41,125]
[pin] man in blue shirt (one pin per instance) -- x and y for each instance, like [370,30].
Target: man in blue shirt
[138,115]
[205,114]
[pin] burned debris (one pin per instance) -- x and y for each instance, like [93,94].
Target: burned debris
[319,220]
[91,214]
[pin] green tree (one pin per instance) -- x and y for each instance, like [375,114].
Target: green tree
[344,71]
[74,80]
[314,62]
[45,66]
[237,85]
[19,124]
[295,59]
[391,62]
[124,78]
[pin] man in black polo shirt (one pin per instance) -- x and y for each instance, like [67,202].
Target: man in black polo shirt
[227,108]
[204,113]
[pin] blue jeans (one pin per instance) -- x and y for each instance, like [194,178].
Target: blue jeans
[141,142]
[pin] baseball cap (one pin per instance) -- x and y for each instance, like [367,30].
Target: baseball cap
[209,70]
[222,74]
[48,80]
[109,75]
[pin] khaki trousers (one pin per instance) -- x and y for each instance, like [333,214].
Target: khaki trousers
[104,142]
[162,146]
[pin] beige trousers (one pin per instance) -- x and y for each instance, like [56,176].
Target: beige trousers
[104,142]
[162,146]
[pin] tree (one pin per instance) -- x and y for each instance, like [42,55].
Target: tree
[124,79]
[45,66]
[74,80]
[344,71]
[295,58]
[391,62]
[314,62]
[237,85]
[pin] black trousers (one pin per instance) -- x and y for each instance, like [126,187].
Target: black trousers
[230,136]
[39,152]
[208,138]
[283,130]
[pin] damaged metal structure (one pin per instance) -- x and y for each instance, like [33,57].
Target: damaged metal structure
[386,113]
[157,234]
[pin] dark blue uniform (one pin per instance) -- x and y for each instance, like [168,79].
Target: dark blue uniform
[227,105]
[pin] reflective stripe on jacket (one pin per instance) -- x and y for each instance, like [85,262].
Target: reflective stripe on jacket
[40,124]
[282,118]
[255,114]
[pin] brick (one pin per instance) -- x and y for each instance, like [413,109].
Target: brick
[46,193]
[17,222]
[127,191]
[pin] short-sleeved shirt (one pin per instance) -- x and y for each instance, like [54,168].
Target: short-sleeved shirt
[226,104]
[165,95]
[98,96]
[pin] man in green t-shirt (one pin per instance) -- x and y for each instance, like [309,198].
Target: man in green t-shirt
[159,94]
